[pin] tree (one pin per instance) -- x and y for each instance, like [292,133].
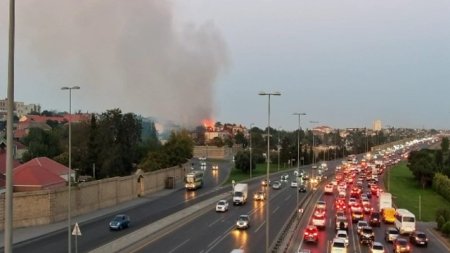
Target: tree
[239,138]
[422,165]
[242,161]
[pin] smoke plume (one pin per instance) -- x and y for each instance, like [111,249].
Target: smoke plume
[127,54]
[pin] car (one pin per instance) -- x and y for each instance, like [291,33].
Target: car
[357,216]
[360,225]
[377,247]
[294,183]
[276,185]
[338,246]
[302,188]
[321,204]
[264,182]
[119,222]
[375,219]
[284,177]
[215,167]
[366,236]
[243,222]
[341,223]
[340,204]
[311,234]
[418,238]
[391,234]
[260,195]
[343,235]
[401,245]
[329,188]
[222,205]
[367,208]
[319,221]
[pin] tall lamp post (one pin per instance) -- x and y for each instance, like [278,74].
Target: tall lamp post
[69,216]
[269,94]
[298,145]
[278,148]
[251,162]
[314,153]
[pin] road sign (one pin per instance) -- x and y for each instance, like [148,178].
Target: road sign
[76,230]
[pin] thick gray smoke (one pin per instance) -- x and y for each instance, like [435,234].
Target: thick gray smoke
[127,54]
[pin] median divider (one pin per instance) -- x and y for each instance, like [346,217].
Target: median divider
[158,229]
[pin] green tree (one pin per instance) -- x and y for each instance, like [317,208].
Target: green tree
[240,139]
[242,161]
[422,165]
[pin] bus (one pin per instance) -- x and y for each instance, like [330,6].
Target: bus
[193,180]
[405,221]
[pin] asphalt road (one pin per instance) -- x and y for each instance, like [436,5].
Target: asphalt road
[96,232]
[216,232]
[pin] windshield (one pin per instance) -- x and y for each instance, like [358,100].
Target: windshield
[190,179]
[379,247]
[408,219]
[339,245]
[238,194]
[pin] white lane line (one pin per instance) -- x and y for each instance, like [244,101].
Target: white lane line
[260,226]
[214,241]
[219,239]
[288,197]
[214,222]
[276,209]
[179,245]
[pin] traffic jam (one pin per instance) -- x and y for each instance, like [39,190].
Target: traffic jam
[354,214]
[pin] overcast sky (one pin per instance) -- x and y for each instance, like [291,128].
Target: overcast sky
[344,63]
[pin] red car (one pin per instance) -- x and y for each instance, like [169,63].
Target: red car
[311,234]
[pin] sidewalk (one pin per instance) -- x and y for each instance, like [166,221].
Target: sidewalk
[24,234]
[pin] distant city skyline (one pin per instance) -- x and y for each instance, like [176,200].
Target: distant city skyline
[345,64]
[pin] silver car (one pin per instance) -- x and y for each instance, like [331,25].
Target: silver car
[243,222]
[391,234]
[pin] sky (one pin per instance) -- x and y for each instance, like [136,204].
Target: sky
[344,63]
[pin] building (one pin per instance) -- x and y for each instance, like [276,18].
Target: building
[20,108]
[377,125]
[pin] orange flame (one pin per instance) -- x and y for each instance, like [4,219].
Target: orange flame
[208,124]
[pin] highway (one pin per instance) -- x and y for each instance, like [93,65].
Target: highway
[215,232]
[96,232]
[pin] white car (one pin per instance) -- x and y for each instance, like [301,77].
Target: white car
[222,206]
[360,225]
[377,247]
[321,204]
[294,183]
[329,188]
[343,235]
[338,246]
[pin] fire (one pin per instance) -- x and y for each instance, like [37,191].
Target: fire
[208,124]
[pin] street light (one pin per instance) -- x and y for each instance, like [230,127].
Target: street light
[251,164]
[314,154]
[298,146]
[269,94]
[69,225]
[278,148]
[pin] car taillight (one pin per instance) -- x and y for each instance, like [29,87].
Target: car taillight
[407,247]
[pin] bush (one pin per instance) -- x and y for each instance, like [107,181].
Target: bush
[440,222]
[446,228]
[444,212]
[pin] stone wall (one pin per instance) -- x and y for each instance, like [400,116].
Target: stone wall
[48,206]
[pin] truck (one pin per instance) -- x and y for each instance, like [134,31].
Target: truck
[240,194]
[385,201]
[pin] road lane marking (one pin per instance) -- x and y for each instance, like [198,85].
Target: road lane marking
[214,222]
[179,245]
[214,241]
[260,226]
[276,209]
[219,239]
[288,197]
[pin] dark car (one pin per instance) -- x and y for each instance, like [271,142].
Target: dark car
[418,238]
[401,245]
[302,188]
[374,219]
[366,236]
[119,222]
